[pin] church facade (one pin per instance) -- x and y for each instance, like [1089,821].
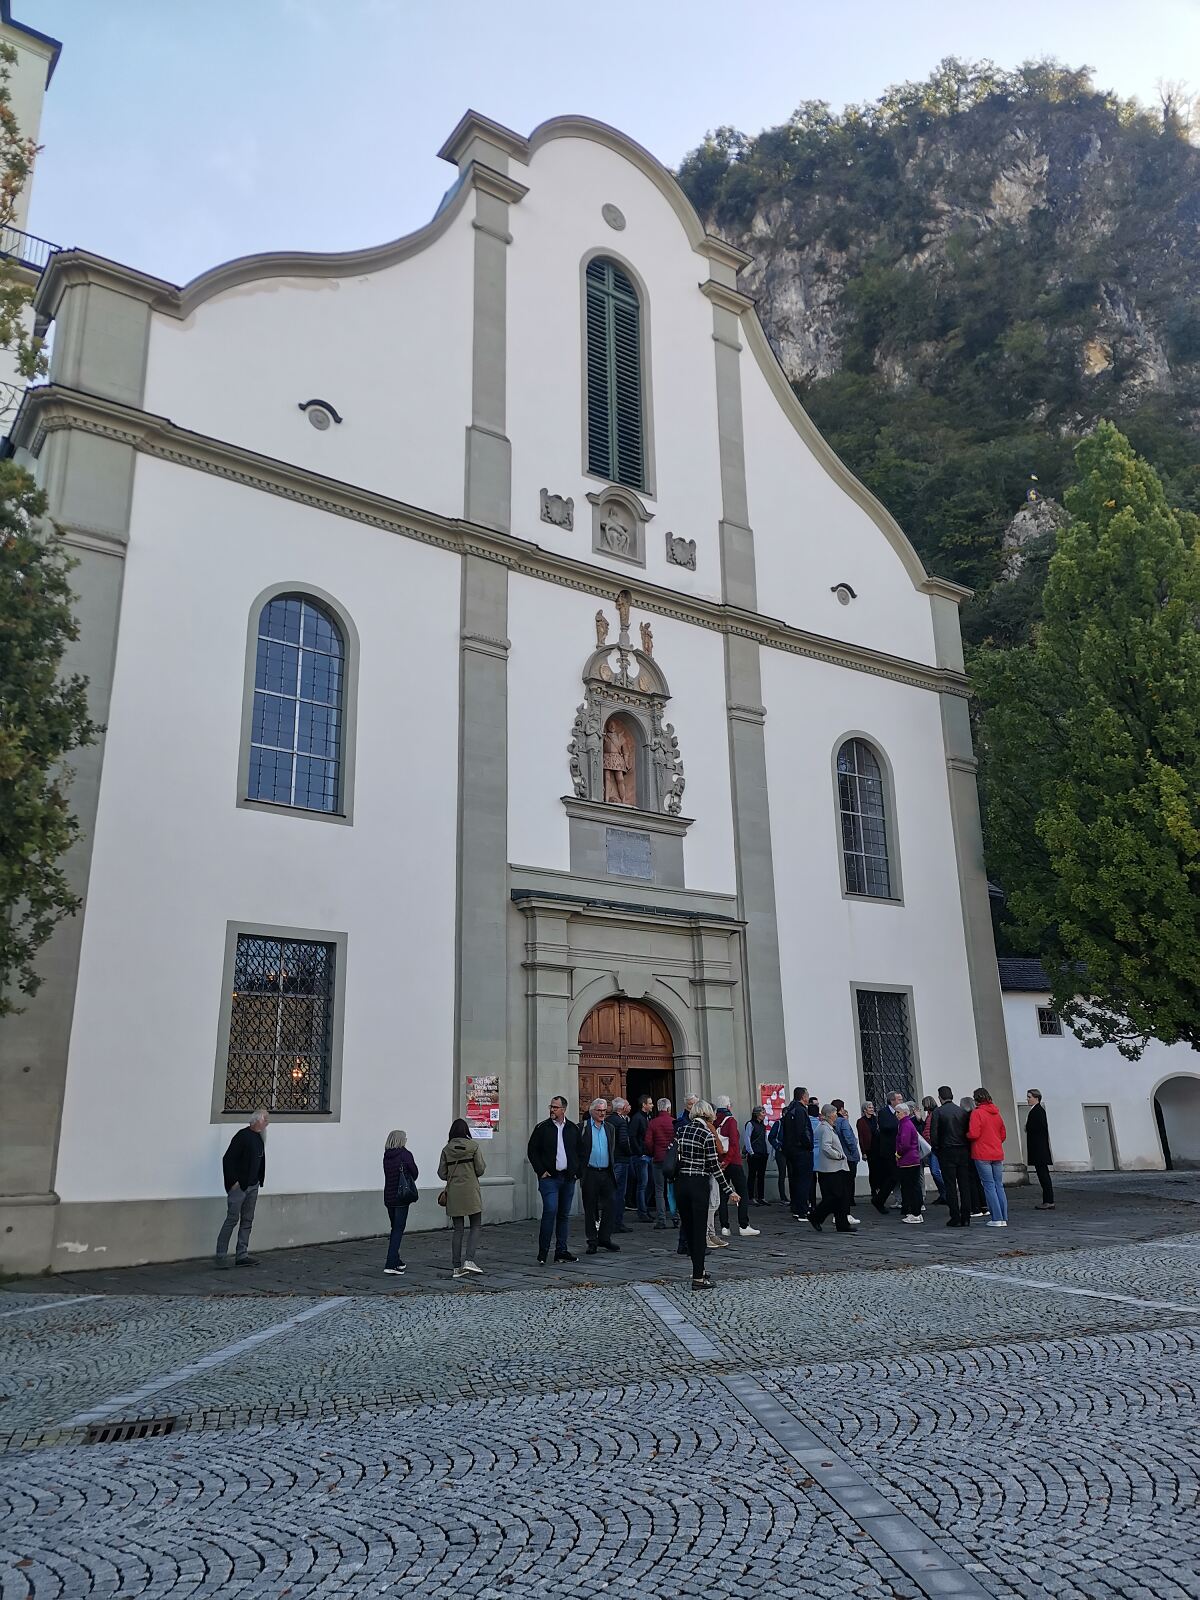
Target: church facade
[507,692]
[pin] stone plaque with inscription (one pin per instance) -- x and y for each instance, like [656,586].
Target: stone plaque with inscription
[629,854]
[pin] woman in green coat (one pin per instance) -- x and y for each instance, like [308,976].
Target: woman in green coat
[460,1168]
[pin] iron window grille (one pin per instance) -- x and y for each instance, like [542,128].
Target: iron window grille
[1049,1022]
[863,807]
[296,729]
[616,445]
[883,1030]
[280,1026]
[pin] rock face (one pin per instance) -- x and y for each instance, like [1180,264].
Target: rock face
[1036,520]
[1100,203]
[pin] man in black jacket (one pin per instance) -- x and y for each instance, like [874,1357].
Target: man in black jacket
[885,1167]
[797,1142]
[597,1158]
[1037,1146]
[244,1171]
[948,1136]
[554,1155]
[642,1166]
[618,1119]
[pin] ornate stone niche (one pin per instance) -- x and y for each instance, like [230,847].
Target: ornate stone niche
[626,767]
[619,522]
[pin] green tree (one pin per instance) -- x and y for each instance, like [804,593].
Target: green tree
[43,715]
[1091,759]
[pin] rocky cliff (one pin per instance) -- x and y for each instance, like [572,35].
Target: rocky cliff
[961,278]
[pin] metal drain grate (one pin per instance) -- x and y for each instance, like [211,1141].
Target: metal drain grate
[120,1432]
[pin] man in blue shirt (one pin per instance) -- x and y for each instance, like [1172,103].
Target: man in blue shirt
[597,1160]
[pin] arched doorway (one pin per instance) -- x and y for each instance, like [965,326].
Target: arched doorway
[625,1049]
[1177,1113]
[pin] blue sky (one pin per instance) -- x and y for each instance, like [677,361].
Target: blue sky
[178,133]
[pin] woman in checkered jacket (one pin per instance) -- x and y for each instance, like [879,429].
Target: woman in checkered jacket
[698,1165]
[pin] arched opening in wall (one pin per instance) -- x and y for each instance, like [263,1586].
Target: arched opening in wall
[1177,1113]
[624,777]
[626,1049]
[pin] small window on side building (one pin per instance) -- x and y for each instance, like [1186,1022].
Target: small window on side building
[1049,1022]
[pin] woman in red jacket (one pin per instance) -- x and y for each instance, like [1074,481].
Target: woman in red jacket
[986,1134]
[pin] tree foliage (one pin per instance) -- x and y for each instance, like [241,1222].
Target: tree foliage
[43,714]
[1090,746]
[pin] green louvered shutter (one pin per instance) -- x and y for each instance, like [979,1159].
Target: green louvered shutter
[614,376]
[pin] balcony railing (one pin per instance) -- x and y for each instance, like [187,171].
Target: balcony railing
[26,248]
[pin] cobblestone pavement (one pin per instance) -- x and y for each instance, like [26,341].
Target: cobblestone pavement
[996,1424]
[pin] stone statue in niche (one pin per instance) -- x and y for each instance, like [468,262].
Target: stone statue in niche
[620,765]
[624,601]
[615,530]
[681,552]
[647,639]
[601,630]
[557,510]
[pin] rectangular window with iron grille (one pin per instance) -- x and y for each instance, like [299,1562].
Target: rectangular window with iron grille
[1049,1022]
[883,1030]
[281,1025]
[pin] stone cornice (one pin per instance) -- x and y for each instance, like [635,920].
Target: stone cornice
[729,299]
[51,406]
[946,590]
[618,816]
[496,184]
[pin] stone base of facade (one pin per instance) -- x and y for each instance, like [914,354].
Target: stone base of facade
[76,1236]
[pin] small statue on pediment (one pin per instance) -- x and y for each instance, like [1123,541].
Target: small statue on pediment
[648,639]
[601,630]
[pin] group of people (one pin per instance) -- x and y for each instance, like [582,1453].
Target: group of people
[698,1172]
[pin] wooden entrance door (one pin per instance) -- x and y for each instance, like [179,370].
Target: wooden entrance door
[624,1049]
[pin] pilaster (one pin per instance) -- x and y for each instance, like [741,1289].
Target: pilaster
[967,829]
[746,714]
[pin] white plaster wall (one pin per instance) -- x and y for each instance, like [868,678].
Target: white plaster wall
[175,859]
[556,224]
[390,351]
[827,941]
[553,633]
[809,535]
[1071,1077]
[27,90]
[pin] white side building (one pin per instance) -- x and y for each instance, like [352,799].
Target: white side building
[1105,1113]
[507,692]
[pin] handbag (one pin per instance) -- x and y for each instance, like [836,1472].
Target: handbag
[924,1146]
[407,1193]
[442,1198]
[670,1161]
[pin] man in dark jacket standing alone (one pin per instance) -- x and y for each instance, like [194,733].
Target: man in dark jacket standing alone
[244,1170]
[1037,1146]
[797,1141]
[948,1136]
[554,1155]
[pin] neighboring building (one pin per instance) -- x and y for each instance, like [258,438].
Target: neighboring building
[1104,1112]
[28,79]
[503,680]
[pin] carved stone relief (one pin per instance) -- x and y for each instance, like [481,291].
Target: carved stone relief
[681,552]
[622,751]
[619,524]
[559,511]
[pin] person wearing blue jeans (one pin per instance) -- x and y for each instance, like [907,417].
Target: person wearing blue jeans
[991,1176]
[643,1167]
[554,1156]
[623,1157]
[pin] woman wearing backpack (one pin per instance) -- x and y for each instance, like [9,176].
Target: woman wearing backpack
[460,1168]
[399,1191]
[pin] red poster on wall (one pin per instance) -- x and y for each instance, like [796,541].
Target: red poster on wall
[483,1105]
[773,1098]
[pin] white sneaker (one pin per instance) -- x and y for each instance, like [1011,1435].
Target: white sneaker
[916,1220]
[749,1233]
[469,1266]
[724,1233]
[995,1224]
[854,1220]
[395,1272]
[459,1273]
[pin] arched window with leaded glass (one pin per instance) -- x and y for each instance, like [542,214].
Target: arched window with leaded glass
[866,826]
[296,748]
[616,433]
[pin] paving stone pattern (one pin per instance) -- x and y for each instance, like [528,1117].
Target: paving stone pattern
[631,1441]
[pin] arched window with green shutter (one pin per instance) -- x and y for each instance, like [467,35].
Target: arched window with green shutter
[615,434]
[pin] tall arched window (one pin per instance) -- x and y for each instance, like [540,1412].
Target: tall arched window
[862,802]
[296,732]
[616,443]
